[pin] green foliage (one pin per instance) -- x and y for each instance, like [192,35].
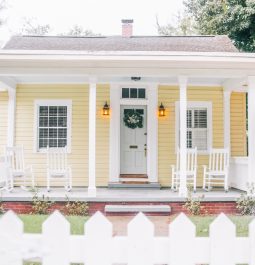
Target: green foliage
[235,18]
[193,205]
[79,31]
[76,208]
[181,25]
[2,211]
[246,203]
[41,205]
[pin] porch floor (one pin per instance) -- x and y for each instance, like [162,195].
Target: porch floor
[120,195]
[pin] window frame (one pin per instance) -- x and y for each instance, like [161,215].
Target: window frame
[194,105]
[54,103]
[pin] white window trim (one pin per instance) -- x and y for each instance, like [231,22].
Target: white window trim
[195,104]
[52,102]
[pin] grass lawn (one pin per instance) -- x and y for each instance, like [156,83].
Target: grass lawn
[33,223]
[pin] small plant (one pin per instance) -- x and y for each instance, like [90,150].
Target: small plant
[246,203]
[193,205]
[40,205]
[76,208]
[2,211]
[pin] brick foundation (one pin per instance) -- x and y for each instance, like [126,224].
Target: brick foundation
[176,207]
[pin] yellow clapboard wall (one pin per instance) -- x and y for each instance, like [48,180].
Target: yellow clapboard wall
[78,159]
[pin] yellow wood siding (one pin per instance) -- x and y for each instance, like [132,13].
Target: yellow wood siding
[238,124]
[166,127]
[3,120]
[102,137]
[78,159]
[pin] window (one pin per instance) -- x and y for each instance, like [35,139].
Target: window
[198,125]
[53,119]
[133,93]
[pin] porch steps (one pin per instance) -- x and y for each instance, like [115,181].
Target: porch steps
[119,185]
[137,208]
[134,179]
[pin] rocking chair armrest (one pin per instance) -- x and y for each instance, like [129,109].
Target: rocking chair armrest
[173,167]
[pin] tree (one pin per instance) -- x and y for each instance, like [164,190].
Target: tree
[235,18]
[78,30]
[30,27]
[182,25]
[2,7]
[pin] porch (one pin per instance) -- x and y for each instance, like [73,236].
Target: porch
[95,141]
[120,195]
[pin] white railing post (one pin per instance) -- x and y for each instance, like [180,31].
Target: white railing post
[92,139]
[251,129]
[183,191]
[11,117]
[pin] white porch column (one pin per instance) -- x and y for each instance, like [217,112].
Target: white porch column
[183,191]
[227,132]
[114,156]
[11,117]
[251,128]
[152,133]
[92,139]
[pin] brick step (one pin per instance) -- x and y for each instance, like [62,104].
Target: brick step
[113,208]
[134,180]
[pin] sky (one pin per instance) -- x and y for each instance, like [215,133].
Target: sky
[100,16]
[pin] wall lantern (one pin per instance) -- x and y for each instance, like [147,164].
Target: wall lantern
[106,109]
[135,78]
[161,110]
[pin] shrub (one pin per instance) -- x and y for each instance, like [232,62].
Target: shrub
[246,202]
[76,208]
[40,205]
[2,211]
[193,205]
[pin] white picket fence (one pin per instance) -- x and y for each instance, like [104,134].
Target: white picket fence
[55,246]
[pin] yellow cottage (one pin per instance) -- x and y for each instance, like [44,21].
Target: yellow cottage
[125,106]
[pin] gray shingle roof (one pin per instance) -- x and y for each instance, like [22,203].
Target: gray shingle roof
[118,43]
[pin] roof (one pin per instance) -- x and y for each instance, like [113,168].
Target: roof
[118,43]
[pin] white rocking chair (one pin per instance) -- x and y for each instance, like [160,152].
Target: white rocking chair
[218,170]
[5,177]
[20,174]
[191,171]
[57,167]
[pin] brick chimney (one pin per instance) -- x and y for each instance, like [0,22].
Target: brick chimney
[127,28]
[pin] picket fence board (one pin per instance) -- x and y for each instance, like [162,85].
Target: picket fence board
[140,246]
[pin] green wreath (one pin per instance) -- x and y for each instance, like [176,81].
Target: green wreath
[132,119]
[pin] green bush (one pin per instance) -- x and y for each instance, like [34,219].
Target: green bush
[246,202]
[193,205]
[76,208]
[41,205]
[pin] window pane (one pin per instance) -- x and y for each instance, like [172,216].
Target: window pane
[125,92]
[189,118]
[189,139]
[200,139]
[127,111]
[43,133]
[62,111]
[43,143]
[62,133]
[53,133]
[141,93]
[53,111]
[133,92]
[200,118]
[62,122]
[140,111]
[53,143]
[43,111]
[62,142]
[53,122]
[43,122]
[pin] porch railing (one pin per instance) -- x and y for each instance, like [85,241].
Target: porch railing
[98,246]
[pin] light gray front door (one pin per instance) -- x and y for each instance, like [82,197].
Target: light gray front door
[133,142]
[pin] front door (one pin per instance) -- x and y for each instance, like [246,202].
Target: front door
[133,140]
